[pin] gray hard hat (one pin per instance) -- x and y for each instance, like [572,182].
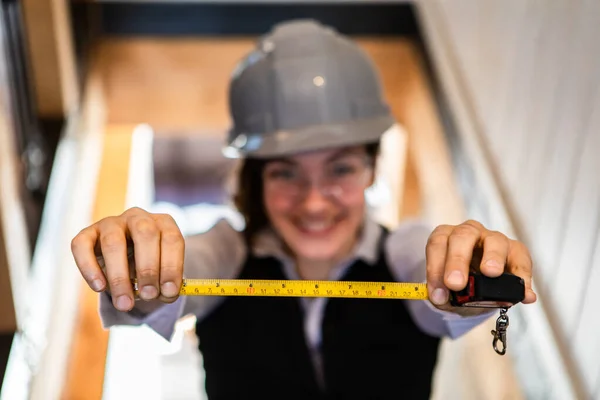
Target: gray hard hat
[304,87]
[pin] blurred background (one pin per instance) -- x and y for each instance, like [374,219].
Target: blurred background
[105,105]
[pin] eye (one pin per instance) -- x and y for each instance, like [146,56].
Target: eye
[282,173]
[343,168]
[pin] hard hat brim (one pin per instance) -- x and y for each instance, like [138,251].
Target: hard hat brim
[306,139]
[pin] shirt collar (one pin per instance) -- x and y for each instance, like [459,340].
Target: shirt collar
[268,243]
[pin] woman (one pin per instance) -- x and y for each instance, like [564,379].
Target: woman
[308,114]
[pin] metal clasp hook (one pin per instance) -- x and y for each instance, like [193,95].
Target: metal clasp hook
[500,332]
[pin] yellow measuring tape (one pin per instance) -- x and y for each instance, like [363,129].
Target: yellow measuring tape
[303,288]
[306,288]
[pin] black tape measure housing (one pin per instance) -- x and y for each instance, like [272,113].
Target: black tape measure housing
[486,292]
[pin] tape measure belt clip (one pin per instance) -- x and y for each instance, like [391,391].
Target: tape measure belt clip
[501,292]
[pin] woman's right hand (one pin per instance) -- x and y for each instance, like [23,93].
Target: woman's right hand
[158,250]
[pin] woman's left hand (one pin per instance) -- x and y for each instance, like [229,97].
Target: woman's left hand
[449,251]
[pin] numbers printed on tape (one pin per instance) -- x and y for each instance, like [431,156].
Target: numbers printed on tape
[301,288]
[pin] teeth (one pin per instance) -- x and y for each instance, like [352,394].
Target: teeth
[316,226]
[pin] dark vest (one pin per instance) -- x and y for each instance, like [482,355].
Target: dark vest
[371,349]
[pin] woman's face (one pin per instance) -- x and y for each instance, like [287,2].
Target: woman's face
[316,201]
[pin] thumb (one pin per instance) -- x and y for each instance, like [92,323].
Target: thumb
[438,294]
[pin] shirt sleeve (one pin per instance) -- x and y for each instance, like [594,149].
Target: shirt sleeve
[405,251]
[218,253]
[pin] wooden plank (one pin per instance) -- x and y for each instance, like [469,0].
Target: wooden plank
[511,130]
[38,362]
[51,51]
[538,132]
[500,128]
[411,201]
[549,372]
[493,62]
[570,119]
[389,56]
[586,340]
[579,239]
[8,183]
[85,375]
[495,65]
[596,394]
[8,164]
[15,252]
[578,276]
[192,98]
[8,315]
[427,144]
[540,135]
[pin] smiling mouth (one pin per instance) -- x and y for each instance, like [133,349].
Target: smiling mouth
[321,227]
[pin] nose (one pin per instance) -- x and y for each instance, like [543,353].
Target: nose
[314,201]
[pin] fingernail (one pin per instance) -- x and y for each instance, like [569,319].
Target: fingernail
[169,289]
[124,303]
[148,293]
[456,278]
[97,285]
[493,264]
[439,296]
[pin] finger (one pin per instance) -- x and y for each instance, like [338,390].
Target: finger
[145,235]
[520,264]
[495,253]
[113,244]
[436,249]
[461,243]
[82,247]
[172,249]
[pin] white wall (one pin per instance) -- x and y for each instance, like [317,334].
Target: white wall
[527,76]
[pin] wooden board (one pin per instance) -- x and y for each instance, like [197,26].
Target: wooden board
[8,197]
[529,77]
[85,375]
[15,251]
[171,84]
[8,317]
[51,52]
